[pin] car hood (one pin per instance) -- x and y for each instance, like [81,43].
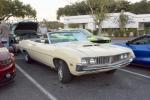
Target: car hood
[93,49]
[24,28]
[4,53]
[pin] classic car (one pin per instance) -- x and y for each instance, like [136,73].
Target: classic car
[90,36]
[7,65]
[70,53]
[141,49]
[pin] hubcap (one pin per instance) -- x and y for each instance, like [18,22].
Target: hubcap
[26,58]
[60,73]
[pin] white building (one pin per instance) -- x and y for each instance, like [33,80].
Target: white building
[86,21]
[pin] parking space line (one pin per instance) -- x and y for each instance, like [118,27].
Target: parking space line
[134,73]
[49,95]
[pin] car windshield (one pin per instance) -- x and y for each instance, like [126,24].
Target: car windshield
[85,32]
[58,37]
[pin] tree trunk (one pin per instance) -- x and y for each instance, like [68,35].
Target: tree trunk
[99,29]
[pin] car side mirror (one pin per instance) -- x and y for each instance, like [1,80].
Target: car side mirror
[128,43]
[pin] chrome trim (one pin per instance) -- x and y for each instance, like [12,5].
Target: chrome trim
[103,60]
[106,66]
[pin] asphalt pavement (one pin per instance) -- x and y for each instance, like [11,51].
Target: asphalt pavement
[39,82]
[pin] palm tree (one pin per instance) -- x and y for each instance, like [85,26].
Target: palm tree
[123,21]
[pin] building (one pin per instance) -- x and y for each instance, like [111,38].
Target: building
[136,21]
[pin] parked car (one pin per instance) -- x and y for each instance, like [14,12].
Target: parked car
[70,53]
[7,65]
[141,49]
[9,43]
[23,30]
[90,36]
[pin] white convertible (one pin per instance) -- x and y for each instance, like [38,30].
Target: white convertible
[70,53]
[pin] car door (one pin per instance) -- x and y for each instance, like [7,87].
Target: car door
[43,53]
[32,49]
[141,48]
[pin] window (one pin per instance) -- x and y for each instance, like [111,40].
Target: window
[58,37]
[142,40]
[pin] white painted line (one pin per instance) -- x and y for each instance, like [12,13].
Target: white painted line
[49,95]
[134,73]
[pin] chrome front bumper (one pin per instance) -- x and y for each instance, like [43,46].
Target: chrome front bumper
[80,68]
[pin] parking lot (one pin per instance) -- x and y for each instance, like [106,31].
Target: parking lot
[38,82]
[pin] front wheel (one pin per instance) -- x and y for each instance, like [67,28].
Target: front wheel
[28,58]
[63,72]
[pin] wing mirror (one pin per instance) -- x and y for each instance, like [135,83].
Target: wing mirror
[128,42]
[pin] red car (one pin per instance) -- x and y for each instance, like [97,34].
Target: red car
[7,65]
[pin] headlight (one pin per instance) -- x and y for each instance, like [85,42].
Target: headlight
[5,62]
[84,61]
[122,57]
[125,56]
[92,61]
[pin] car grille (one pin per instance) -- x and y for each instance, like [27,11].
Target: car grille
[110,59]
[103,60]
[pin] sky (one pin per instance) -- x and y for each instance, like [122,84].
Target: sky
[47,9]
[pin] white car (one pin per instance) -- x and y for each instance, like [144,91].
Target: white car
[70,53]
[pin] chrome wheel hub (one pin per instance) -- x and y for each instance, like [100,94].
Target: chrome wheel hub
[26,58]
[60,73]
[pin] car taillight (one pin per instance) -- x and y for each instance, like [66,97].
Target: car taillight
[5,62]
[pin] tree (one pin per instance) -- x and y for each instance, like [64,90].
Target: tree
[52,24]
[142,7]
[15,8]
[79,8]
[99,10]
[119,5]
[82,8]
[123,20]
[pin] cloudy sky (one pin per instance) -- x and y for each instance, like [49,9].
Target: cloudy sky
[46,9]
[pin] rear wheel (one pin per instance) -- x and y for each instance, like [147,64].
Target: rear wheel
[28,58]
[63,72]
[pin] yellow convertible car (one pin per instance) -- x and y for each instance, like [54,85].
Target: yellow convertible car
[70,53]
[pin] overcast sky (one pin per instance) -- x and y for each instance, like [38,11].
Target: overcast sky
[46,9]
